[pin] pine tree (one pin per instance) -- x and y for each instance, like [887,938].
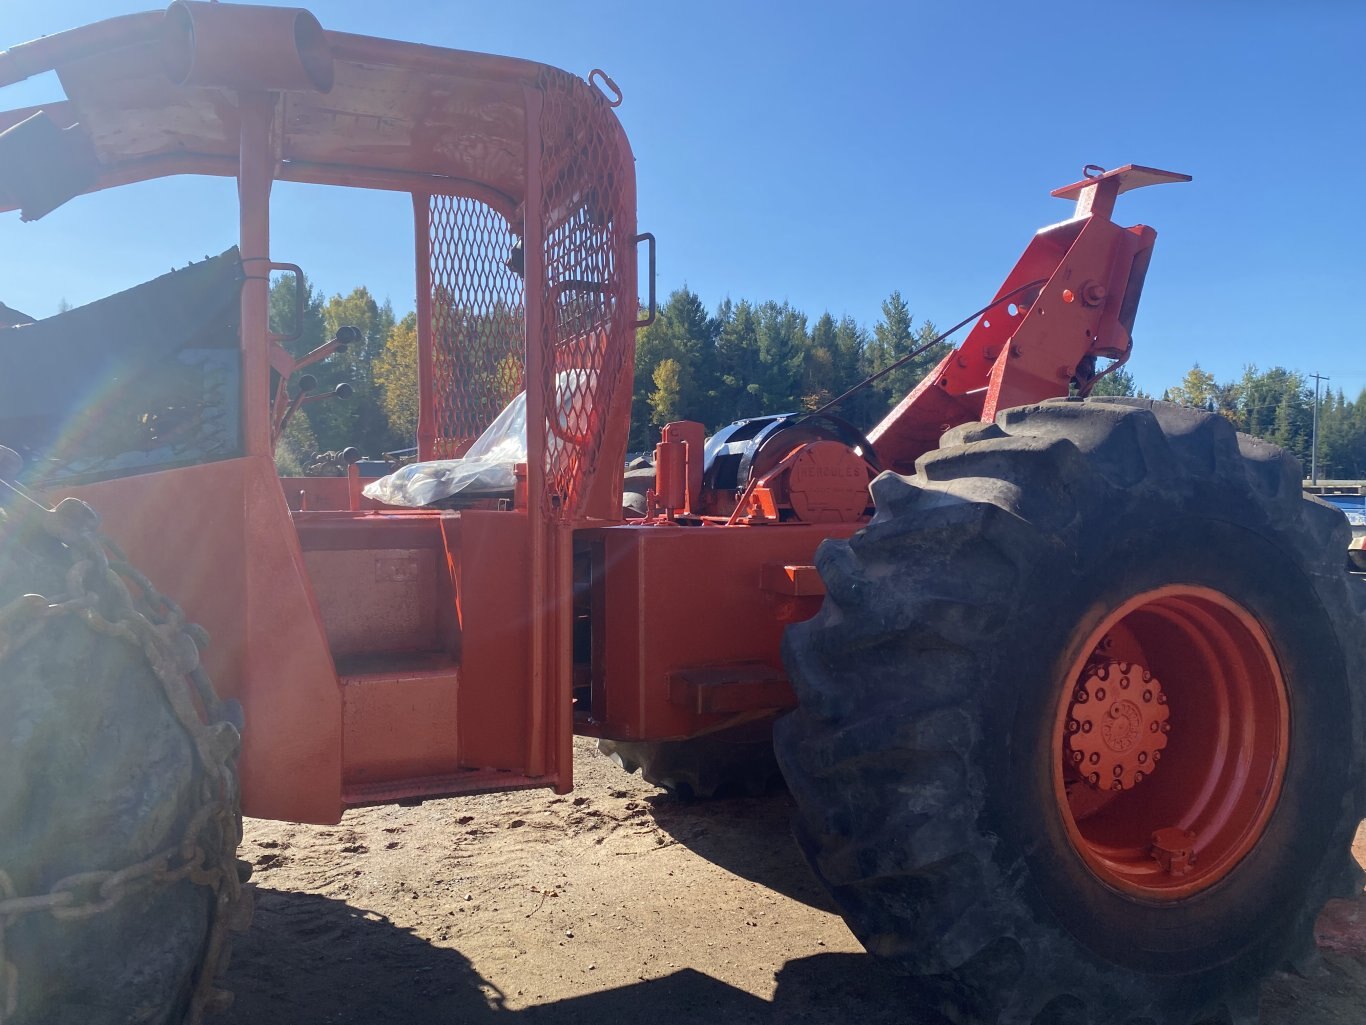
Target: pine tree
[850,342]
[820,365]
[894,338]
[782,342]
[685,335]
[738,364]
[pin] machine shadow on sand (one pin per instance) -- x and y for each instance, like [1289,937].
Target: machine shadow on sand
[750,837]
[311,960]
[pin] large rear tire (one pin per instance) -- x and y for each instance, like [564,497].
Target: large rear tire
[987,815]
[119,815]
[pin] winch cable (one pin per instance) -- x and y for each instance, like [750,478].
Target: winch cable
[919,350]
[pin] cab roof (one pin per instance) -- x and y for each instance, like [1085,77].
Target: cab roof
[402,116]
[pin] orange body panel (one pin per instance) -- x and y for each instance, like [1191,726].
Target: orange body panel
[495,622]
[219,538]
[684,598]
[363,676]
[399,725]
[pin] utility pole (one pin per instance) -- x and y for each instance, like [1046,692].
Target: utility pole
[1314,443]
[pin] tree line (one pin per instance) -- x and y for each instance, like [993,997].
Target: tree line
[744,359]
[752,358]
[1278,406]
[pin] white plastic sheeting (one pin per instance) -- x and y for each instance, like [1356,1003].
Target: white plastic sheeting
[486,468]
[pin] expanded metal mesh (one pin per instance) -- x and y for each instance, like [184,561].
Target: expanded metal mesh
[478,334]
[588,303]
[586,296]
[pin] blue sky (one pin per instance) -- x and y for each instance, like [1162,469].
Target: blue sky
[828,153]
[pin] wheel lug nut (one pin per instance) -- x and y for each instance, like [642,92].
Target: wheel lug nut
[1147,676]
[1095,757]
[1086,727]
[1166,727]
[1076,757]
[1138,777]
[1148,696]
[1142,757]
[1100,693]
[1094,778]
[1162,699]
[1123,683]
[1153,727]
[1118,771]
[1073,726]
[1157,755]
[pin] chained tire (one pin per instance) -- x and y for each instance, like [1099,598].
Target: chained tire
[738,762]
[1080,720]
[119,814]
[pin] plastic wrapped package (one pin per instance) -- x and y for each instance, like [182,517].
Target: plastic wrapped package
[485,469]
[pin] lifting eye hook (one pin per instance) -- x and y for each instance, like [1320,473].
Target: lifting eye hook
[603,81]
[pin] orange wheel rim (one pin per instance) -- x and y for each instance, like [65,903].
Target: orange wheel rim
[1170,742]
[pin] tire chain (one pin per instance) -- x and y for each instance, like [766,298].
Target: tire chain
[98,593]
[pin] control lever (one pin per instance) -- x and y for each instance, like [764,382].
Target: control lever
[302,397]
[341,391]
[285,405]
[304,385]
[346,336]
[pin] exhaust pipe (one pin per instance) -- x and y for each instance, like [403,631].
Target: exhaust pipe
[243,46]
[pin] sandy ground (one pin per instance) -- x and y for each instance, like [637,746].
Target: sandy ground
[616,903]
